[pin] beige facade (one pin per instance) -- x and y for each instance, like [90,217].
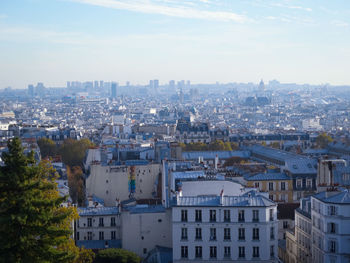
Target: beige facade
[291,247]
[145,228]
[113,182]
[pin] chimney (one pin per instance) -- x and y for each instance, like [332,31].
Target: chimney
[222,197]
[91,203]
[117,202]
[216,161]
[179,194]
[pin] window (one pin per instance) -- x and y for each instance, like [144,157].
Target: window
[272,233]
[332,246]
[184,215]
[285,224]
[241,252]
[113,236]
[227,216]
[272,251]
[270,186]
[184,251]
[283,186]
[100,220]
[255,233]
[256,215]
[112,221]
[331,227]
[256,184]
[144,250]
[299,183]
[213,215]
[78,236]
[198,215]
[227,252]
[309,183]
[184,233]
[212,252]
[241,216]
[89,234]
[332,210]
[256,253]
[227,234]
[198,253]
[271,215]
[89,222]
[271,197]
[101,235]
[199,233]
[241,234]
[212,233]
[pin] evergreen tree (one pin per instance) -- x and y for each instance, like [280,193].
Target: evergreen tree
[33,225]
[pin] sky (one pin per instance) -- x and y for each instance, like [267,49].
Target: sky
[205,41]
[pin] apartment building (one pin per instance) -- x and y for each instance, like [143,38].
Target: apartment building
[224,228]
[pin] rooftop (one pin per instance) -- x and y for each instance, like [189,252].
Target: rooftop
[233,201]
[92,211]
[341,196]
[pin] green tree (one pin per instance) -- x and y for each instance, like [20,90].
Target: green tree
[73,151]
[33,225]
[116,255]
[47,147]
[322,140]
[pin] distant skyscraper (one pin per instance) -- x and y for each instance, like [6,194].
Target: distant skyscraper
[114,89]
[172,84]
[155,84]
[31,90]
[96,84]
[68,85]
[151,84]
[128,83]
[188,84]
[101,84]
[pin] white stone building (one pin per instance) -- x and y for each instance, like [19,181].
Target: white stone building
[222,228]
[330,214]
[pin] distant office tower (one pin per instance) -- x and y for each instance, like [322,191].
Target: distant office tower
[114,89]
[128,83]
[96,84]
[181,84]
[101,84]
[31,90]
[68,85]
[39,89]
[172,84]
[188,84]
[151,84]
[155,84]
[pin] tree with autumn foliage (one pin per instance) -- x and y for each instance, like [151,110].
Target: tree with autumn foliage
[34,226]
[76,184]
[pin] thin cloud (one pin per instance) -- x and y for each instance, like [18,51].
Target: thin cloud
[181,11]
[339,23]
[291,7]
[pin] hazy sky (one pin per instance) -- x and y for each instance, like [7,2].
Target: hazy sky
[53,41]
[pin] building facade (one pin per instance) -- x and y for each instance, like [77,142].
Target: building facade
[224,228]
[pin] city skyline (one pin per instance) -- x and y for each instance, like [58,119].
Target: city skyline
[201,40]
